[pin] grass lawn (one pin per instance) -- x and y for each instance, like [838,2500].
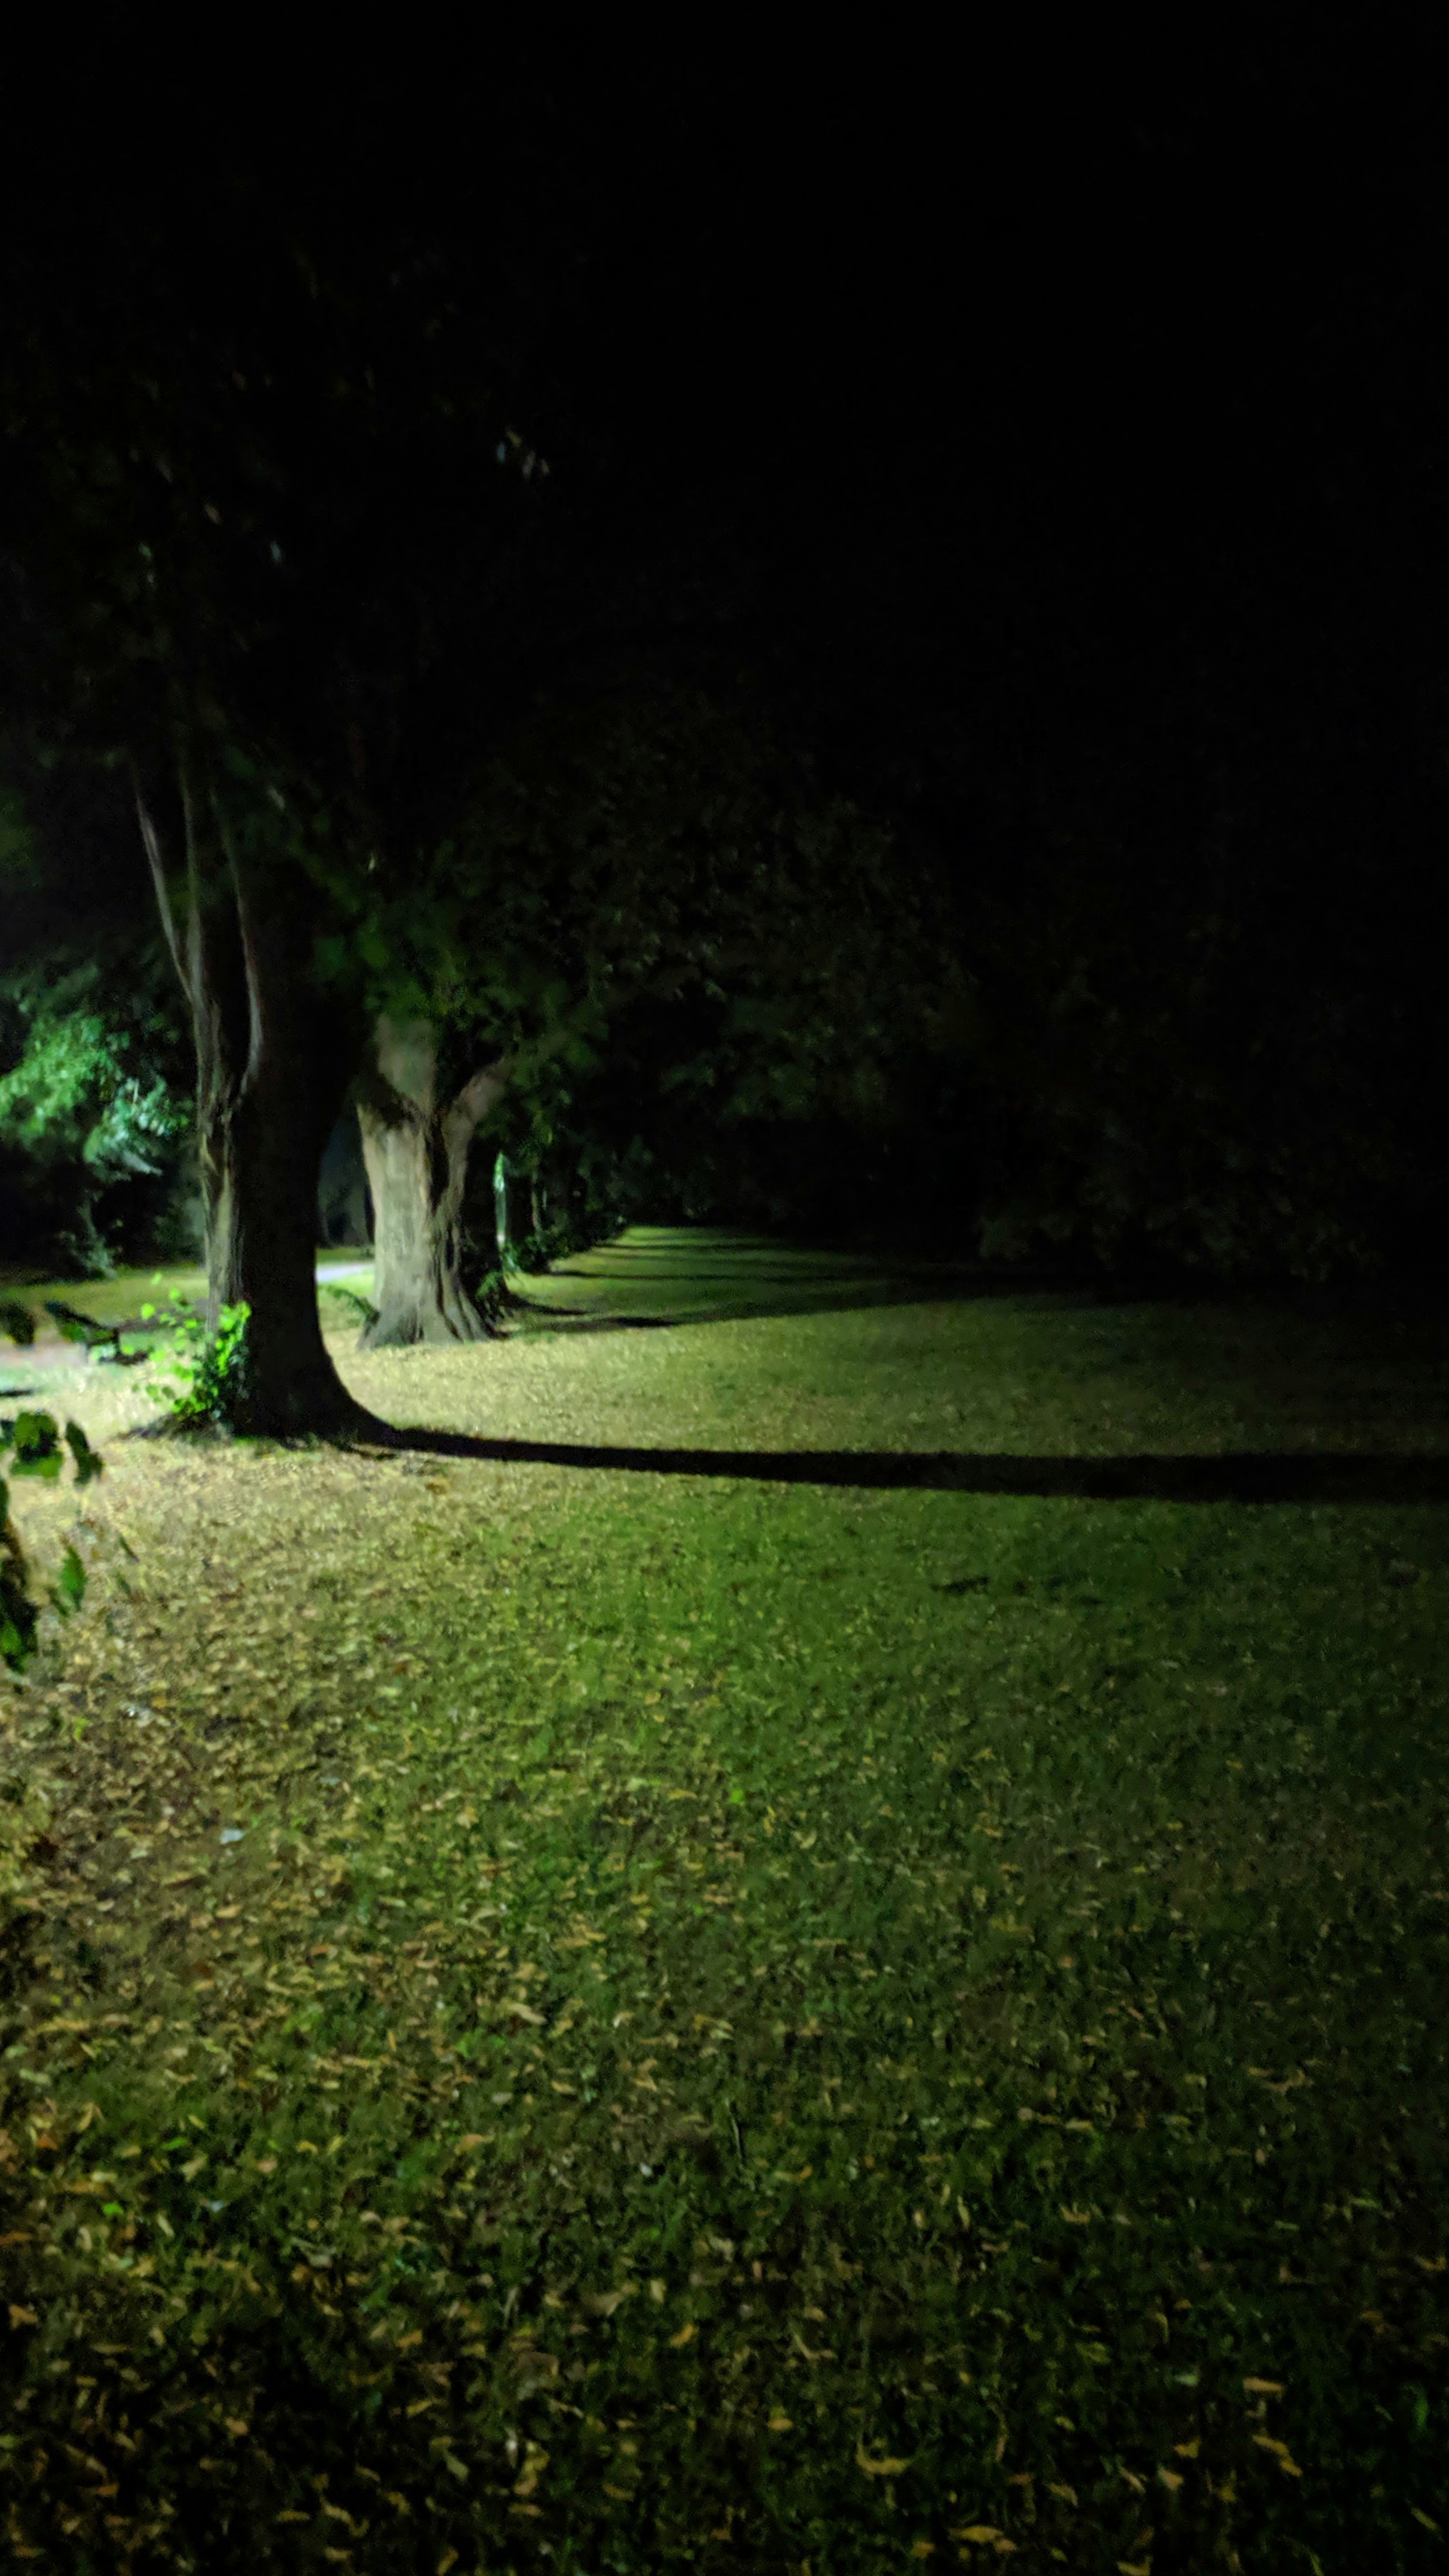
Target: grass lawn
[564,2017]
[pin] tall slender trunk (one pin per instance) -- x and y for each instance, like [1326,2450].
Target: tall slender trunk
[272,1065]
[501,1233]
[415,1144]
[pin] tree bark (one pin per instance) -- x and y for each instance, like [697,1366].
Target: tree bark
[272,1066]
[415,1144]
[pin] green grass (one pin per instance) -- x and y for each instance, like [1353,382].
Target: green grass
[47,1366]
[110,1299]
[657,1273]
[744,2026]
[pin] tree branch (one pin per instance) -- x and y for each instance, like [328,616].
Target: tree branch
[481,1093]
[156,861]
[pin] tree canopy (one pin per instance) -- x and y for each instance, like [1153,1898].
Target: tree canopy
[404,509]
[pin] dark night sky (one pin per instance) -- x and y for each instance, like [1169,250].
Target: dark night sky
[1057,439]
[1077,415]
[1146,331]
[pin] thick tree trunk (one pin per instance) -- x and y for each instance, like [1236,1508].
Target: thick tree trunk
[272,1064]
[415,1143]
[261,1150]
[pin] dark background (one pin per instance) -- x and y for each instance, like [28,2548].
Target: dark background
[1054,444]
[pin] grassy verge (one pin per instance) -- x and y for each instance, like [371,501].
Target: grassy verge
[589,2020]
[51,1361]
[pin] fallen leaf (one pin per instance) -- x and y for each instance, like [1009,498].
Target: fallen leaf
[266,2164]
[879,2468]
[1068,2494]
[1171,2479]
[23,2317]
[782,2423]
[685,2335]
[602,2303]
[1281,2454]
[1264,2387]
[1188,2450]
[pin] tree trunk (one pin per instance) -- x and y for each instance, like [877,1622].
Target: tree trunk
[272,1065]
[415,1143]
[501,1235]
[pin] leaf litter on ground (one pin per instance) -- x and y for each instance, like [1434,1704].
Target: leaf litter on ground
[555,2012]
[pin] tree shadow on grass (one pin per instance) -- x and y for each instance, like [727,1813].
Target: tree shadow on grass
[1243,1476]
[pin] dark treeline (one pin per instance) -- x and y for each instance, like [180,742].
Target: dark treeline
[863,664]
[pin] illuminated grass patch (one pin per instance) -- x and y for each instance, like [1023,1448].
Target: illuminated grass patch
[578,2020]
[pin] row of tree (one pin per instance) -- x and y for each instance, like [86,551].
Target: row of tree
[437,706]
[541,704]
[270,507]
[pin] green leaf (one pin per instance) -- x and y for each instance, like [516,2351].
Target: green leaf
[88,1461]
[70,1590]
[17,1610]
[36,1443]
[16,1643]
[16,1321]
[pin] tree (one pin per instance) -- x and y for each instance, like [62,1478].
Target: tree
[638,848]
[251,476]
[93,1070]
[87,1104]
[590,865]
[280,536]
[417,1128]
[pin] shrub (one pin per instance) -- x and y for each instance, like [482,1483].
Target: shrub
[203,1379]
